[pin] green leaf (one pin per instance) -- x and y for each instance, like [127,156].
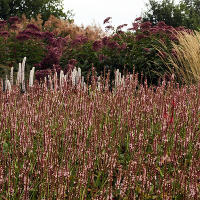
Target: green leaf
[161,173]
[5,147]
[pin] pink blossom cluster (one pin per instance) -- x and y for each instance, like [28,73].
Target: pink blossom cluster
[136,142]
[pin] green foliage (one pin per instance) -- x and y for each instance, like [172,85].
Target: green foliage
[13,51]
[183,14]
[192,11]
[126,144]
[140,52]
[121,50]
[31,8]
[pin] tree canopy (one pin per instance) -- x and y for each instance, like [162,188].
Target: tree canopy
[186,14]
[31,8]
[192,12]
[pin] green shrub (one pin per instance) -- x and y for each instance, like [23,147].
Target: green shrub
[16,45]
[123,50]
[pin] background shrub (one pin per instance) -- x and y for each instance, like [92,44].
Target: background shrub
[29,38]
[123,50]
[54,47]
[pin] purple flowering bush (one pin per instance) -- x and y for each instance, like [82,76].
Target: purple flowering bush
[42,47]
[123,50]
[52,58]
[18,44]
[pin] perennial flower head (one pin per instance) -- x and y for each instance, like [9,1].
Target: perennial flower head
[106,20]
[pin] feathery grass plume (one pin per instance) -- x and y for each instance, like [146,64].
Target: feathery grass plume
[8,85]
[61,78]
[18,81]
[45,83]
[119,79]
[11,76]
[23,69]
[184,57]
[22,76]
[131,77]
[73,77]
[65,77]
[78,76]
[99,83]
[6,82]
[82,82]
[84,87]
[31,77]
[55,81]
[50,82]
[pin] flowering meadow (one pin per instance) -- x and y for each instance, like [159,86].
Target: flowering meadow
[72,140]
[73,132]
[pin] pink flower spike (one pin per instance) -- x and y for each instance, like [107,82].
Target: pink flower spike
[165,114]
[171,120]
[138,19]
[106,20]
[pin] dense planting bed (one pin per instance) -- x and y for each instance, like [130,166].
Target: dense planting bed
[65,139]
[76,144]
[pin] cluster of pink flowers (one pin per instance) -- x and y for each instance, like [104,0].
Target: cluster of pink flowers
[134,142]
[79,40]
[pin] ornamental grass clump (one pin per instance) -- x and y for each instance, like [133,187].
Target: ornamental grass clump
[73,144]
[184,57]
[20,81]
[73,77]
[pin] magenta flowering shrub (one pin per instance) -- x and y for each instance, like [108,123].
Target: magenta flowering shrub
[18,44]
[79,40]
[123,50]
[52,59]
[2,24]
[134,144]
[33,27]
[43,49]
[13,20]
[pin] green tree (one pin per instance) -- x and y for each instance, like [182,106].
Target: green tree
[172,14]
[31,8]
[192,12]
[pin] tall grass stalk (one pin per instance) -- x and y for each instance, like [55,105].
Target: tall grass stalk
[11,76]
[185,59]
[71,144]
[75,78]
